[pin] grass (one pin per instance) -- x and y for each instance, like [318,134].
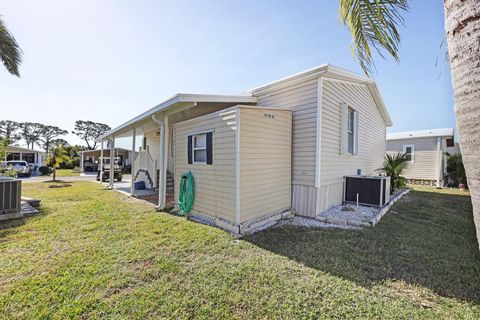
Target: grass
[67,173]
[94,253]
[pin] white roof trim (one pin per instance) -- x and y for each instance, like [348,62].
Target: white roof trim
[445,132]
[22,149]
[178,98]
[332,72]
[105,149]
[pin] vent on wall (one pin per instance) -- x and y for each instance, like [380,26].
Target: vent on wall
[10,195]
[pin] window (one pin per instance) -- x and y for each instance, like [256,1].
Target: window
[200,149]
[409,149]
[29,157]
[350,131]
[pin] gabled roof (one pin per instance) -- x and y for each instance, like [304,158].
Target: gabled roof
[431,133]
[328,70]
[248,97]
[11,148]
[182,98]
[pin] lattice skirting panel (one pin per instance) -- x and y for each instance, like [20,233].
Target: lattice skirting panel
[422,182]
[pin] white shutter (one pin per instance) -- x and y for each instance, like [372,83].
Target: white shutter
[343,128]
[355,132]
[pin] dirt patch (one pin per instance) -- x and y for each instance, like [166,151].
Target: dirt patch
[62,185]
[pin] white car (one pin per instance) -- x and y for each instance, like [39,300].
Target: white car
[21,167]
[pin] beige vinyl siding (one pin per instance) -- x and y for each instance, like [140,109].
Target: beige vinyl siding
[153,143]
[265,162]
[425,158]
[215,186]
[371,139]
[301,99]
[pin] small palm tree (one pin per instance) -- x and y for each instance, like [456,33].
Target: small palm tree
[58,156]
[10,52]
[393,165]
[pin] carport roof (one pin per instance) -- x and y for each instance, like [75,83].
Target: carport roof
[179,99]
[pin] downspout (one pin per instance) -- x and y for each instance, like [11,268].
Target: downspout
[161,191]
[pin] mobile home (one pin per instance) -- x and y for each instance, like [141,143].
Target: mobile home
[427,153]
[278,149]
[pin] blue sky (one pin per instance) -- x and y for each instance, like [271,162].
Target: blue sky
[108,61]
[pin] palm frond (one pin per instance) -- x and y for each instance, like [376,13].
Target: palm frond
[373,25]
[10,52]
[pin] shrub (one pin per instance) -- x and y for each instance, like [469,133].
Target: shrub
[456,170]
[44,170]
[393,165]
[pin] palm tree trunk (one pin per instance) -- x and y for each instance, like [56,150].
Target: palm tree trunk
[462,24]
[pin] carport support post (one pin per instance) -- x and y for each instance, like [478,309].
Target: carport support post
[112,161]
[165,160]
[101,160]
[132,165]
[81,162]
[161,190]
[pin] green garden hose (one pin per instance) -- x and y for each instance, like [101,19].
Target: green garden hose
[187,192]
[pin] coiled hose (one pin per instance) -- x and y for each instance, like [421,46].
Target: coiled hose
[187,193]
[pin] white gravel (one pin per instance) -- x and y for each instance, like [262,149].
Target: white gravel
[347,216]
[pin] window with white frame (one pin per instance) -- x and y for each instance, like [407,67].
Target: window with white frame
[199,148]
[409,150]
[350,131]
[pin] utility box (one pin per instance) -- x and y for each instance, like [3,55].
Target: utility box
[368,190]
[10,195]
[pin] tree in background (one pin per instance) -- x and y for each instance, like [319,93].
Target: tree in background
[10,52]
[373,25]
[8,131]
[3,148]
[89,132]
[30,132]
[59,143]
[48,133]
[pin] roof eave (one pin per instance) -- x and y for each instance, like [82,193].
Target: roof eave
[180,97]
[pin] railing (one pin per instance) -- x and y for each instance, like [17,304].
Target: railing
[144,161]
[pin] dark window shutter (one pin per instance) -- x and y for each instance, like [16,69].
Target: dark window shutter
[209,148]
[189,150]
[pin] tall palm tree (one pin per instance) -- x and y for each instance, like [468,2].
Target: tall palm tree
[10,52]
[373,24]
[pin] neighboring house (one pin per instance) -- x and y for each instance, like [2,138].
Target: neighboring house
[90,159]
[427,151]
[252,164]
[34,158]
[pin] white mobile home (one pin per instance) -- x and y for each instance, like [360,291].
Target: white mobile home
[34,158]
[277,149]
[427,151]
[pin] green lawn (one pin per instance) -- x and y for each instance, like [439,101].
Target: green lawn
[94,253]
[67,173]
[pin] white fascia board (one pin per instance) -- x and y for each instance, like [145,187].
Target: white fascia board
[180,97]
[431,133]
[23,150]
